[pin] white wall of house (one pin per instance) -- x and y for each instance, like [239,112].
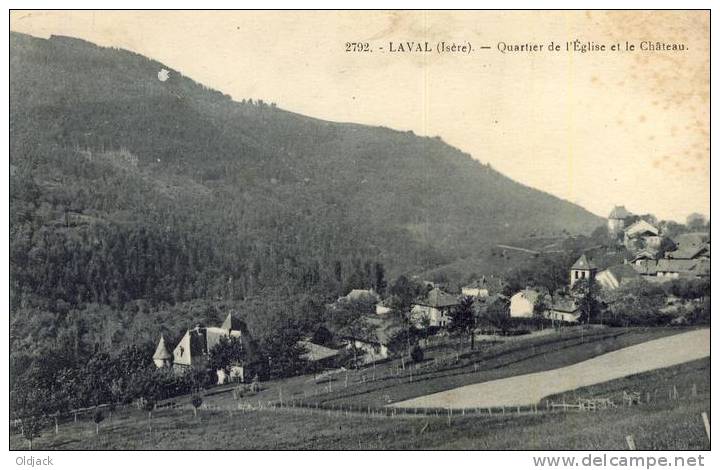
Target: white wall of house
[615,226]
[562,316]
[577,274]
[436,316]
[237,374]
[181,353]
[475,292]
[382,310]
[373,352]
[520,306]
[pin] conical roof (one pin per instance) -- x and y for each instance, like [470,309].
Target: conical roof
[583,263]
[161,352]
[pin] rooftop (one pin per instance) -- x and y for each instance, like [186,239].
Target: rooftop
[161,352]
[584,263]
[438,298]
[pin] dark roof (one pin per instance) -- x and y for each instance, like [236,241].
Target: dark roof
[583,263]
[692,238]
[644,254]
[198,342]
[647,267]
[234,324]
[438,298]
[489,283]
[619,212]
[565,305]
[690,245]
[384,329]
[684,266]
[203,339]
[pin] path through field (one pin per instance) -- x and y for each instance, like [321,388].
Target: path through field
[531,388]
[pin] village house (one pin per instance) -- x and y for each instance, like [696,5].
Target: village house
[522,304]
[374,347]
[615,276]
[682,268]
[194,348]
[565,310]
[690,260]
[642,257]
[645,264]
[640,235]
[582,269]
[482,287]
[476,289]
[694,246]
[434,309]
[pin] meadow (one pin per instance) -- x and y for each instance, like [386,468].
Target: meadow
[302,413]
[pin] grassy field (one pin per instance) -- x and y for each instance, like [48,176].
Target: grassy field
[443,370]
[663,423]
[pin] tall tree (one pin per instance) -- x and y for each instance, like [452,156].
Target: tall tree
[585,293]
[227,352]
[379,282]
[351,321]
[498,313]
[462,319]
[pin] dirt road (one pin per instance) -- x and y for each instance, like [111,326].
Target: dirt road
[531,388]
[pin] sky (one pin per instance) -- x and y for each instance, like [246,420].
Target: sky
[596,128]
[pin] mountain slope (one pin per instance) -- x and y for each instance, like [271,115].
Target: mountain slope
[227,198]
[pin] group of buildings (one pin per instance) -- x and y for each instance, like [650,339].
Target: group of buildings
[653,257]
[656,256]
[193,350]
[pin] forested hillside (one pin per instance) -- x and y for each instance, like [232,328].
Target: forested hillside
[139,206]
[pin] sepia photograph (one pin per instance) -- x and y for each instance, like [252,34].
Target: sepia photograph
[352,230]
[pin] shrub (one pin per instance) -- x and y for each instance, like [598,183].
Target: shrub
[148,405]
[98,417]
[196,403]
[417,354]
